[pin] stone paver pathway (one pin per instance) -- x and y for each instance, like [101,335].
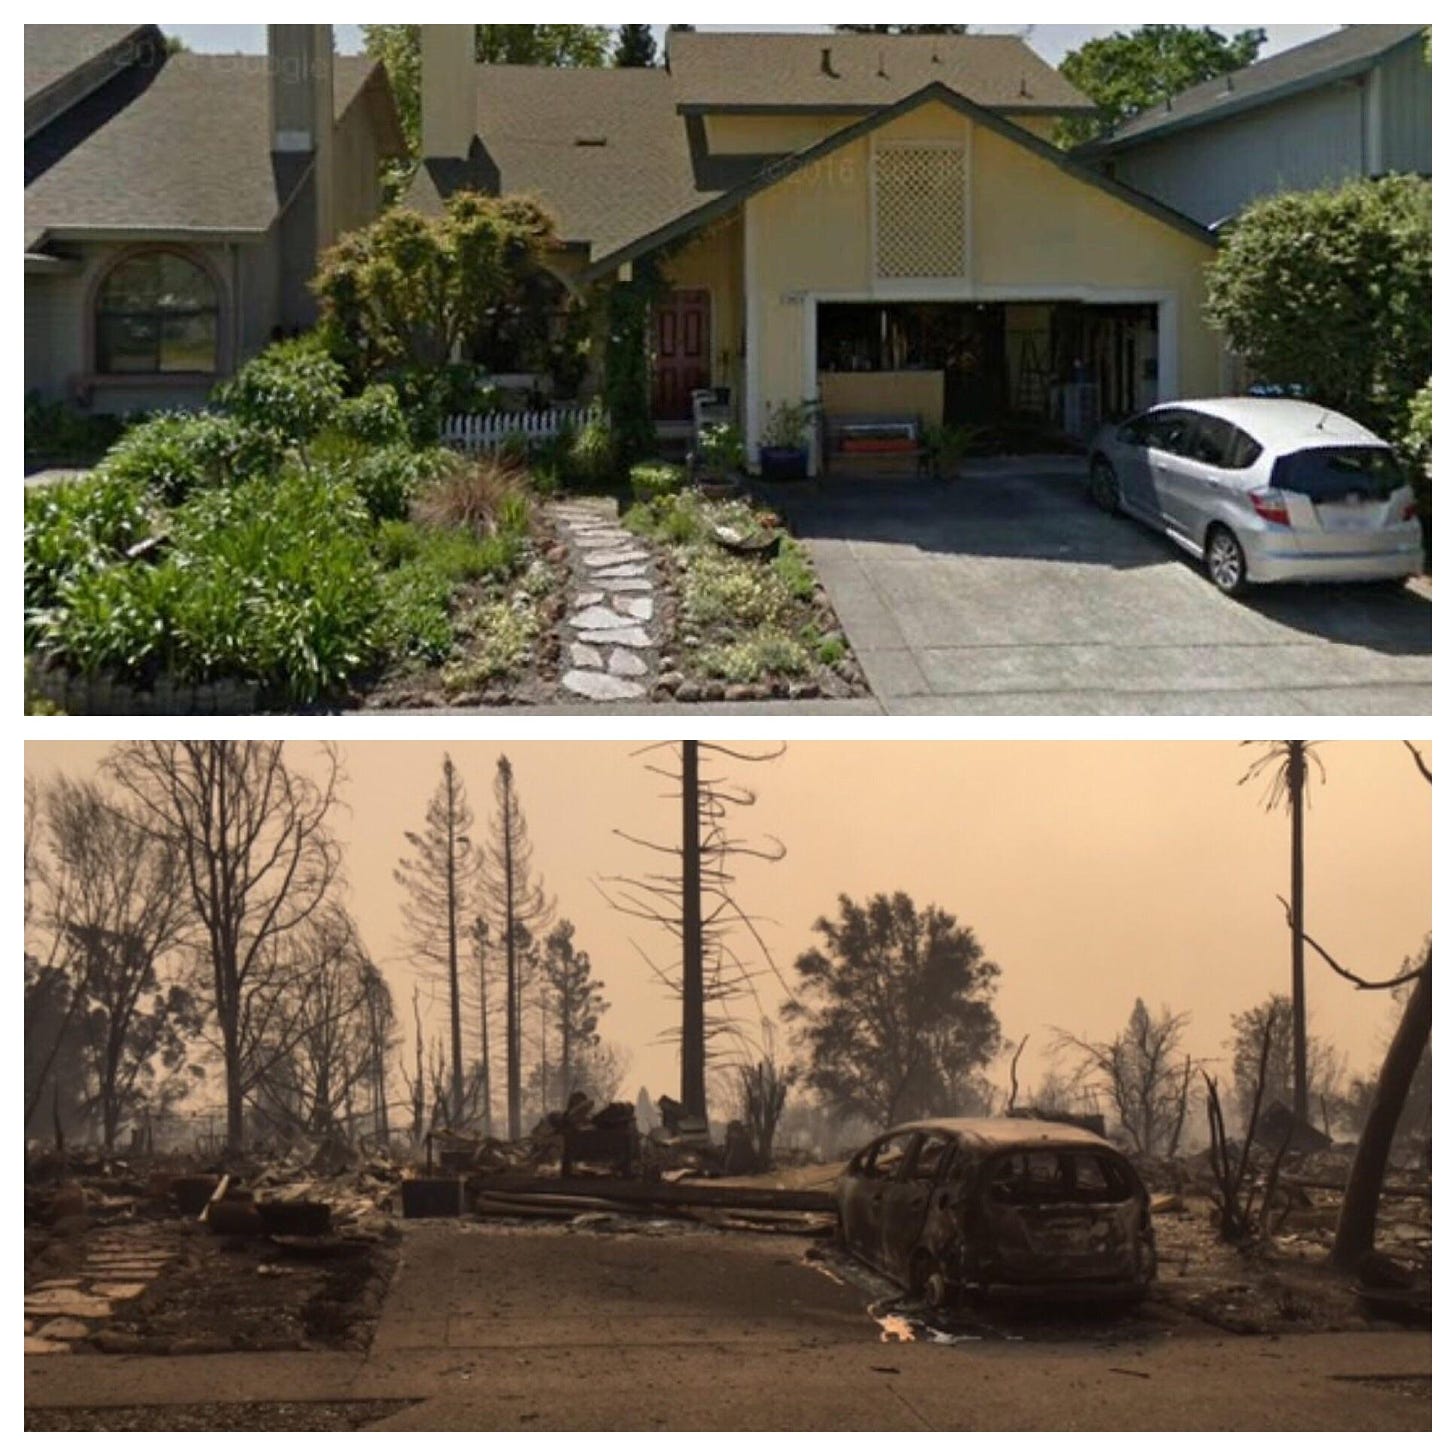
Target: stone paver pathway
[120,1263]
[609,643]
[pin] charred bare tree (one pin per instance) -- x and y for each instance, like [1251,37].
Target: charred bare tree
[1142,1076]
[763,1089]
[437,877]
[1355,1232]
[1286,764]
[112,893]
[696,903]
[1234,1184]
[480,949]
[251,835]
[517,905]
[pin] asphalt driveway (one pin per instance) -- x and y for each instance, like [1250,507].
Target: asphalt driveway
[1007,592]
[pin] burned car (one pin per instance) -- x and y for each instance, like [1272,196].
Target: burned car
[999,1206]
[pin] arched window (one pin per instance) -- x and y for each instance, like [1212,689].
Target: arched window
[156,313]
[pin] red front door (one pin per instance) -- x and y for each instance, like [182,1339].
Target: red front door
[680,334]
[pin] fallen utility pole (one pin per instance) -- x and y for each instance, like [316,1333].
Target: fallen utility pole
[685,1194]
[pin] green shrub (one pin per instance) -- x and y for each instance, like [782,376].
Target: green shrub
[374,417]
[118,618]
[762,653]
[591,462]
[507,637]
[674,520]
[75,528]
[397,542]
[1417,441]
[414,616]
[831,651]
[791,566]
[290,391]
[172,455]
[652,478]
[513,514]
[389,479]
[1330,291]
[59,431]
[722,590]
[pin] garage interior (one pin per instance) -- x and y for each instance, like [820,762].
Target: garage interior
[1014,377]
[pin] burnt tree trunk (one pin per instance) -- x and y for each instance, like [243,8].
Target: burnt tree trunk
[694,1049]
[1297,770]
[1355,1233]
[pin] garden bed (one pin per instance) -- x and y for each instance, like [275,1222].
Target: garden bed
[294,549]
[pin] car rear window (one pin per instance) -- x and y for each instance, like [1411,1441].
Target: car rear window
[1044,1176]
[1338,472]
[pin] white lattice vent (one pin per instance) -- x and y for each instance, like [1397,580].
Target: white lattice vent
[920,212]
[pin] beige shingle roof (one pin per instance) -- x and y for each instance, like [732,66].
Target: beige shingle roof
[54,51]
[604,149]
[189,151]
[776,69]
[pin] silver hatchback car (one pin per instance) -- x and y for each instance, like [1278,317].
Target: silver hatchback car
[1263,490]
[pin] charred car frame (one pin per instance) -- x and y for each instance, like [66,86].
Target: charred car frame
[999,1206]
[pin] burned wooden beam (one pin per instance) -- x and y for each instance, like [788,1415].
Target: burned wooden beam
[683,1194]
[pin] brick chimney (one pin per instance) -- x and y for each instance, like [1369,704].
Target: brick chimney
[447,90]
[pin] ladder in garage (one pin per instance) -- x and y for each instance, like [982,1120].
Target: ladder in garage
[1032,378]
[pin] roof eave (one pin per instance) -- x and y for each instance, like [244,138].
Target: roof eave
[112,233]
[935,91]
[855,108]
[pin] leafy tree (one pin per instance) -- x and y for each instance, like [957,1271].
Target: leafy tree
[408,291]
[1325,1065]
[1330,291]
[1144,1077]
[439,878]
[635,46]
[1125,73]
[894,1013]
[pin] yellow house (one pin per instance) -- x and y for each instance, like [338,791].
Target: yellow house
[876,223]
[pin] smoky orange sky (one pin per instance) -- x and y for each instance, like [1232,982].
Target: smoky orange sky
[1092,873]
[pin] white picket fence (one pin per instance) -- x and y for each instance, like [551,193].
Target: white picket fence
[483,434]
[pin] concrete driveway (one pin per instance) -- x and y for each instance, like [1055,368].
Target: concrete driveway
[1007,592]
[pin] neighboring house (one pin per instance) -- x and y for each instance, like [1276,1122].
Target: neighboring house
[877,222]
[176,204]
[1353,104]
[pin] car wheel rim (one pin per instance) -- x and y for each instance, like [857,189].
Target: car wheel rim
[1223,562]
[935,1290]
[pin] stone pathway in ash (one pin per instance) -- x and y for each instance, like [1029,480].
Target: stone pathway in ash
[120,1263]
[609,638]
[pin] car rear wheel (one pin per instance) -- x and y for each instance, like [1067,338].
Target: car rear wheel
[1223,558]
[1106,494]
[929,1284]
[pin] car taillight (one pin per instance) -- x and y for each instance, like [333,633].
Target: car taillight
[1269,506]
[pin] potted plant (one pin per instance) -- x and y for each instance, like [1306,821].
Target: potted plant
[718,459]
[783,452]
[946,447]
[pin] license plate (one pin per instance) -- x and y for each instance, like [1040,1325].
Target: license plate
[1361,517]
